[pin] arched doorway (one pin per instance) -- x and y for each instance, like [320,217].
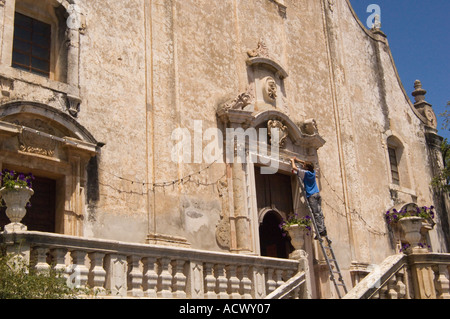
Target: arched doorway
[273,242]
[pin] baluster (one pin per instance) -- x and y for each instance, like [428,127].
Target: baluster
[234,281]
[222,282]
[401,286]
[79,276]
[210,282]
[41,265]
[271,283]
[165,279]
[383,292]
[135,276]
[97,274]
[150,276]
[246,283]
[59,262]
[179,285]
[392,293]
[279,277]
[442,282]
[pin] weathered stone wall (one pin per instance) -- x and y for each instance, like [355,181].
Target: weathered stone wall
[147,68]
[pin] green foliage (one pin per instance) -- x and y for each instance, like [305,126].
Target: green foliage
[18,281]
[442,180]
[11,179]
[446,117]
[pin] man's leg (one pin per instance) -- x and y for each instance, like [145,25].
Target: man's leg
[315,201]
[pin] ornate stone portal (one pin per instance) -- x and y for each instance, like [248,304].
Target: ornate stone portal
[56,148]
[262,105]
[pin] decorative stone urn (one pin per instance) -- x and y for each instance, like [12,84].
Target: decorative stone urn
[297,234]
[411,227]
[16,200]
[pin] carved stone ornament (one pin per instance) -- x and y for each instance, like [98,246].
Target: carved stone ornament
[282,130]
[6,86]
[430,116]
[223,234]
[309,127]
[260,51]
[241,101]
[270,89]
[73,105]
[32,142]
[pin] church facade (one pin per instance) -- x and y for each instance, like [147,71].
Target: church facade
[171,123]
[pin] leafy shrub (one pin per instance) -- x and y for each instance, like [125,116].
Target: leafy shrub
[18,281]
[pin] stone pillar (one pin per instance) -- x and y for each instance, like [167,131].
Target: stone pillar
[238,121]
[76,24]
[434,142]
[422,276]
[241,219]
[303,266]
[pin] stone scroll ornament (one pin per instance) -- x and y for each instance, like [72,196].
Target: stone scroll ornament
[241,101]
[273,125]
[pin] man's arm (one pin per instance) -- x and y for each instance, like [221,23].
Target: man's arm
[299,171]
[294,167]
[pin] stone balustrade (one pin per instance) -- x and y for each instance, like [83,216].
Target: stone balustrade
[119,269]
[413,276]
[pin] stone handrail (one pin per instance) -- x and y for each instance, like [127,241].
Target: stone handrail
[291,289]
[120,269]
[412,276]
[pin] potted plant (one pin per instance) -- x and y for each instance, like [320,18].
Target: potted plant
[15,193]
[413,222]
[297,227]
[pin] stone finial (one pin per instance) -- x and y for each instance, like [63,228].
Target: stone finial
[419,93]
[377,22]
[423,106]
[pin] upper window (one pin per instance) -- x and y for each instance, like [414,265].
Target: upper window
[31,47]
[394,166]
[398,160]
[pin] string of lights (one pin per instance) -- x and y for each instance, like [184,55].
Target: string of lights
[185,179]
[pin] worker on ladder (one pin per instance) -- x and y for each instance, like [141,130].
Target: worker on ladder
[308,175]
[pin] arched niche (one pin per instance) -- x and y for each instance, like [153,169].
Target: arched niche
[54,147]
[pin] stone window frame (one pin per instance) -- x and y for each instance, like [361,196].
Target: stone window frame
[64,77]
[406,185]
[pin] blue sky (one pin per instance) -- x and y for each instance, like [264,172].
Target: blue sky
[418,32]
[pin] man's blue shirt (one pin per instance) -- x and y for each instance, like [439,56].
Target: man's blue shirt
[309,179]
